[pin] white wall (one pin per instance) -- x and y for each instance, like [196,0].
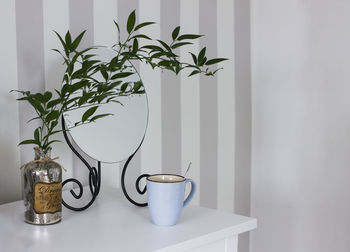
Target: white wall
[178,106]
[301,125]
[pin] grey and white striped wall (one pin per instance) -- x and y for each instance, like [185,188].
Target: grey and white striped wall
[191,119]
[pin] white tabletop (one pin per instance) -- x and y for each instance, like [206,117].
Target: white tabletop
[113,224]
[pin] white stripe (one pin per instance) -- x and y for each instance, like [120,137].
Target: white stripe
[151,152]
[190,113]
[226,106]
[10,178]
[105,33]
[56,17]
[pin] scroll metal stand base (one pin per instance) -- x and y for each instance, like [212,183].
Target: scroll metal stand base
[94,177]
[141,192]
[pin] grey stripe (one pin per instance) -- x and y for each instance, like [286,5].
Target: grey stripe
[81,18]
[125,7]
[30,60]
[243,114]
[171,95]
[208,109]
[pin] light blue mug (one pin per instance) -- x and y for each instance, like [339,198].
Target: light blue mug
[165,196]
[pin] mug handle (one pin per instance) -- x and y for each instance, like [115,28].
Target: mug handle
[193,190]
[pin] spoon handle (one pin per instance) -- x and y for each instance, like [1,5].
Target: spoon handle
[188,168]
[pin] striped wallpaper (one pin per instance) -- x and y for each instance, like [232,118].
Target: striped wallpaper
[191,119]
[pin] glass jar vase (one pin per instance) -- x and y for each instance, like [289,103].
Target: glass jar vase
[42,179]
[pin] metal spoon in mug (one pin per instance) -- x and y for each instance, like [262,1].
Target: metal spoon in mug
[188,168]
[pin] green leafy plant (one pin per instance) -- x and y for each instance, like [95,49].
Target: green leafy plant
[162,54]
[89,82]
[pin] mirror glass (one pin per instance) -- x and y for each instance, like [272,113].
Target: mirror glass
[113,138]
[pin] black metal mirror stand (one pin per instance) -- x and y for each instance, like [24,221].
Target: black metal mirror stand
[94,177]
[137,184]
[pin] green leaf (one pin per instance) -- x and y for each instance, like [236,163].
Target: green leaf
[58,92]
[54,124]
[164,45]
[58,51]
[180,44]
[100,98]
[68,40]
[88,56]
[137,85]
[36,135]
[170,68]
[131,22]
[140,36]
[124,87]
[72,100]
[194,58]
[158,55]
[79,85]
[217,70]
[77,74]
[62,42]
[189,36]
[53,115]
[85,98]
[23,99]
[34,118]
[53,141]
[121,75]
[201,54]
[104,73]
[114,84]
[139,26]
[153,47]
[53,103]
[89,113]
[175,33]
[76,41]
[65,80]
[117,102]
[114,60]
[194,72]
[64,89]
[47,96]
[214,61]
[101,87]
[201,63]
[52,133]
[36,105]
[29,141]
[135,46]
[21,92]
[81,53]
[99,116]
[89,64]
[117,25]
[39,97]
[164,63]
[70,69]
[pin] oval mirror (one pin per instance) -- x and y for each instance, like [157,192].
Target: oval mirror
[113,138]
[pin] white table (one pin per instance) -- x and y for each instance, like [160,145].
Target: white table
[113,224]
